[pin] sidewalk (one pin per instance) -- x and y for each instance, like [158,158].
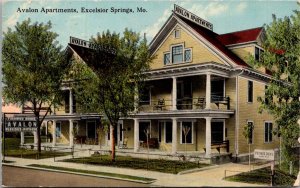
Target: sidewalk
[208,177]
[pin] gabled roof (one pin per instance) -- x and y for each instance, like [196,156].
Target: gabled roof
[212,37]
[239,37]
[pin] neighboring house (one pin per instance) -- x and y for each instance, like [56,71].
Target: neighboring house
[198,81]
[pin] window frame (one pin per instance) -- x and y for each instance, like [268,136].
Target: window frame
[170,62]
[86,128]
[149,93]
[179,33]
[165,132]
[191,58]
[171,53]
[58,124]
[224,127]
[248,91]
[269,132]
[252,139]
[192,132]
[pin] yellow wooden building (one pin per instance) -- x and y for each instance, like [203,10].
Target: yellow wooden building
[199,83]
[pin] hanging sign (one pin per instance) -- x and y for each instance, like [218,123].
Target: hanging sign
[264,154]
[192,17]
[18,124]
[90,45]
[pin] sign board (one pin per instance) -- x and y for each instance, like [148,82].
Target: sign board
[90,45]
[18,124]
[192,17]
[264,154]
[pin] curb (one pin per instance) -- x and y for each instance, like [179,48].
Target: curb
[197,170]
[79,173]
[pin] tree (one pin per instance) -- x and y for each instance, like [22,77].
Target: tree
[110,80]
[248,133]
[281,58]
[33,68]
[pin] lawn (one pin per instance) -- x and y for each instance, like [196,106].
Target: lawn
[12,149]
[262,176]
[107,174]
[160,165]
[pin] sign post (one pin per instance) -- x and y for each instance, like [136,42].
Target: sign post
[266,155]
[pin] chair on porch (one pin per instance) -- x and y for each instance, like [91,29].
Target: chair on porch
[200,103]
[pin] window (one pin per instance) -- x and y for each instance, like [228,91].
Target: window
[258,53]
[187,129]
[268,131]
[217,131]
[167,59]
[160,127]
[250,91]
[177,54]
[144,96]
[58,130]
[217,88]
[177,34]
[187,55]
[168,132]
[67,101]
[250,125]
[91,129]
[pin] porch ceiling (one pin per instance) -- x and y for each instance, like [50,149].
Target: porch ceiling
[73,117]
[183,114]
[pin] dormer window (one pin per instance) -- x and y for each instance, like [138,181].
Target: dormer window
[177,34]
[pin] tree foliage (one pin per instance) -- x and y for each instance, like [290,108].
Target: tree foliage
[33,68]
[282,58]
[108,80]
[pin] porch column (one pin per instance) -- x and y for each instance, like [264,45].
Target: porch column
[35,138]
[22,138]
[71,133]
[208,136]
[208,91]
[54,133]
[71,101]
[174,93]
[136,135]
[174,136]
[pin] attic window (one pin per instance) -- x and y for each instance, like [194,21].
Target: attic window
[177,34]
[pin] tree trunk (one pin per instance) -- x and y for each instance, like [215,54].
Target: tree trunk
[113,153]
[38,132]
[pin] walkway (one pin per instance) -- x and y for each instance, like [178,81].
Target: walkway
[209,177]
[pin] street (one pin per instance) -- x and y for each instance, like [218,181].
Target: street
[22,177]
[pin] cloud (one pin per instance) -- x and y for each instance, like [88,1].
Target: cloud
[153,29]
[203,11]
[241,7]
[12,20]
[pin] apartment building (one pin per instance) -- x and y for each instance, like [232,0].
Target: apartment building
[199,94]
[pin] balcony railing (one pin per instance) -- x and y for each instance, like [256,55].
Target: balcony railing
[186,103]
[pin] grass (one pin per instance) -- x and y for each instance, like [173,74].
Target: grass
[12,149]
[262,176]
[160,165]
[33,154]
[147,180]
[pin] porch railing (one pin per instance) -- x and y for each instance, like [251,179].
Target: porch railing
[186,103]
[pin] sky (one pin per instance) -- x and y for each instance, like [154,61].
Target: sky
[226,16]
